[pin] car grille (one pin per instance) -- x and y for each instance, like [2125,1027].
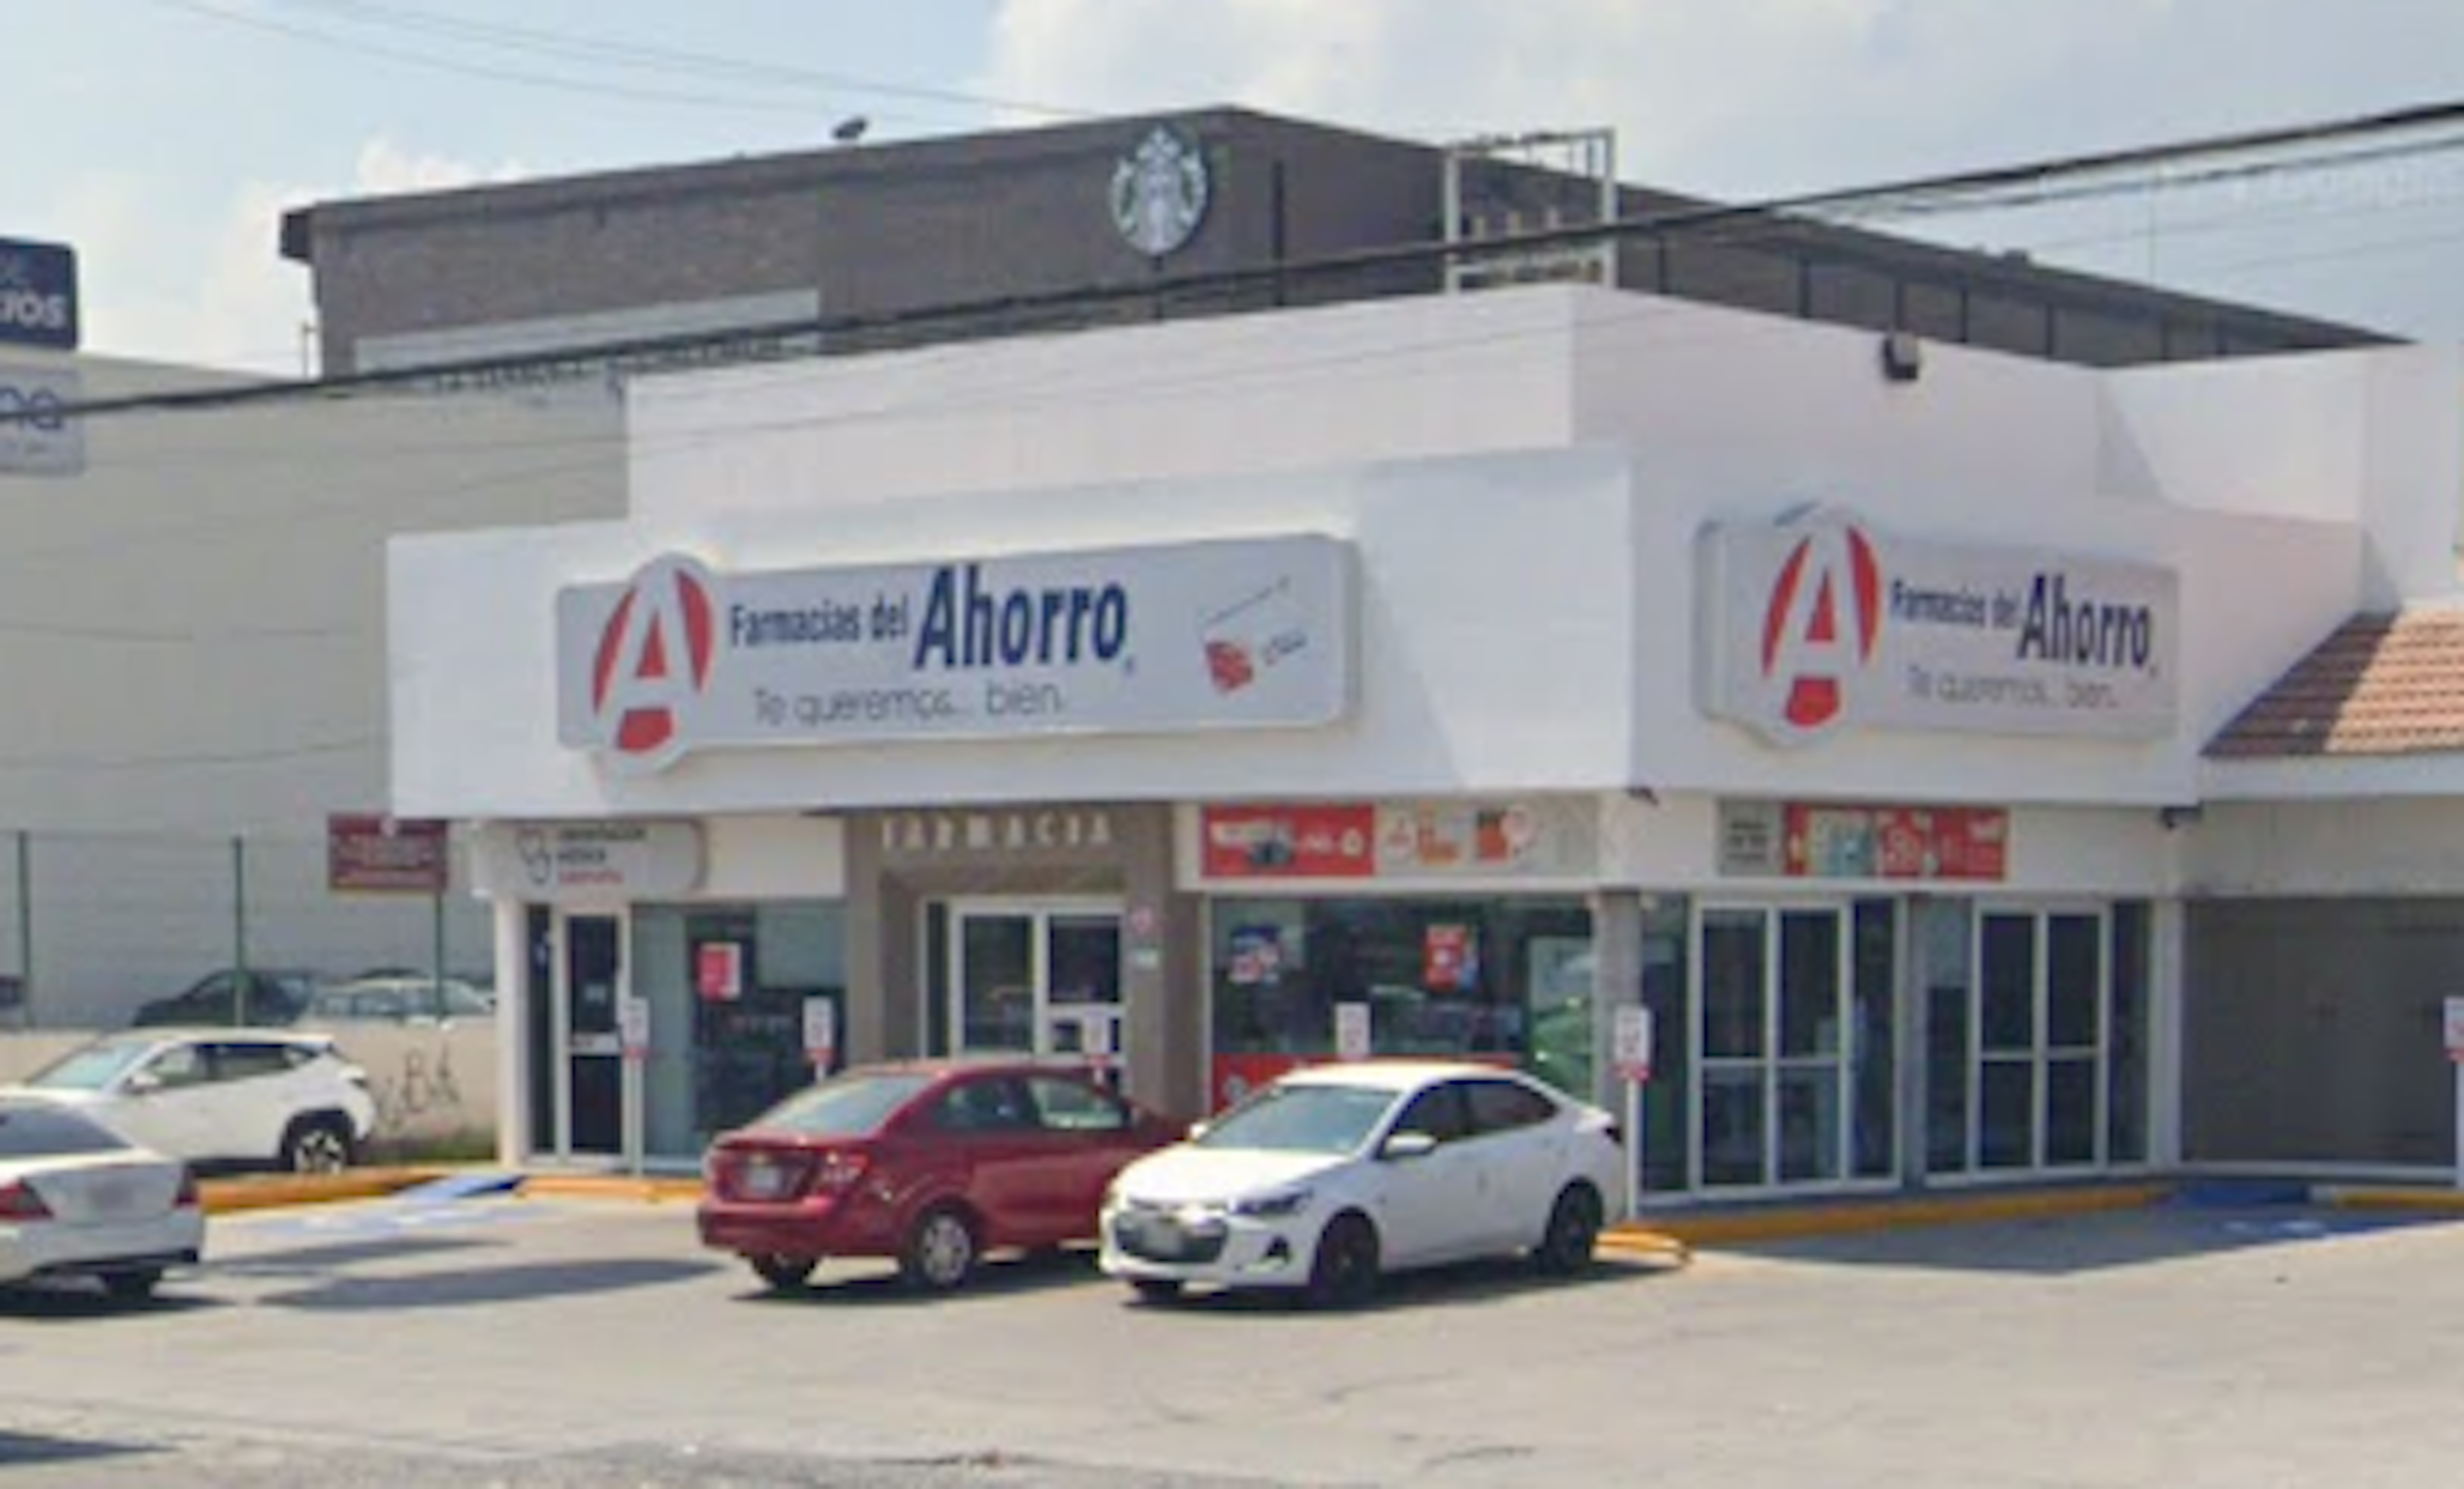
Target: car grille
[1152,1234]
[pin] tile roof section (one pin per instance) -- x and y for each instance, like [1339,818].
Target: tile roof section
[2378,685]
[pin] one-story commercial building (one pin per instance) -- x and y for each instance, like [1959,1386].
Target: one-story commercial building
[1446,674]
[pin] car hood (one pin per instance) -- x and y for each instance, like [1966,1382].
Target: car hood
[1193,1175]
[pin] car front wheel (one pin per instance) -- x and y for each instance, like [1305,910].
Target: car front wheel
[316,1145]
[1344,1271]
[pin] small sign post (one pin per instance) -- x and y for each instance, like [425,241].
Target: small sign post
[2453,1027]
[1351,1032]
[820,1036]
[633,1038]
[1631,1044]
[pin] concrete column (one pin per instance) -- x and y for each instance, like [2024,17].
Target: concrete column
[2168,931]
[514,993]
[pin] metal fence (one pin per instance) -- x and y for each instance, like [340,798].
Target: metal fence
[95,925]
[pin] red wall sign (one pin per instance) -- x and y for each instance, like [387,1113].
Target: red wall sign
[1897,841]
[1290,842]
[370,853]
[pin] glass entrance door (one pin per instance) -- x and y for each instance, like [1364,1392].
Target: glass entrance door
[1038,979]
[590,983]
[1775,1009]
[2042,999]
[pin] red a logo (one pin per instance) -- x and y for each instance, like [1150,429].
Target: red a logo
[653,661]
[1819,628]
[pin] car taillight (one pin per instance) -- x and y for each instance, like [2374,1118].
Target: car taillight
[186,1198]
[19,1201]
[839,1173]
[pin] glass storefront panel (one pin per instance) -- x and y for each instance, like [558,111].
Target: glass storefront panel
[1666,993]
[997,987]
[1732,1127]
[1808,984]
[2007,965]
[2127,1101]
[2070,1111]
[1874,1028]
[1809,1124]
[1943,941]
[2007,1113]
[727,986]
[1735,968]
[1507,979]
[2074,982]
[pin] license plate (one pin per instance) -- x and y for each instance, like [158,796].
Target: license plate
[762,1179]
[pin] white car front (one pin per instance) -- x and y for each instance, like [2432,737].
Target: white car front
[1333,1175]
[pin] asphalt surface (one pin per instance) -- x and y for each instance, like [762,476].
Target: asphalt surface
[565,1341]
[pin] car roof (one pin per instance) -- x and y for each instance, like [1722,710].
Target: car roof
[186,1033]
[1392,1075]
[938,1066]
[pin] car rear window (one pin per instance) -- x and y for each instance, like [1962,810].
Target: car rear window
[845,1107]
[32,1132]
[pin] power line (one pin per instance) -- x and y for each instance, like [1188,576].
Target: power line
[2065,178]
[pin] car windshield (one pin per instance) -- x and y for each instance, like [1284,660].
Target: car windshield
[1302,1119]
[32,1132]
[91,1068]
[849,1106]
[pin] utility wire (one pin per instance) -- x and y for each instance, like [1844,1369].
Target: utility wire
[2033,181]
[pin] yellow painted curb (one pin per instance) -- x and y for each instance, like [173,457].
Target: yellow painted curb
[273,1191]
[612,1186]
[1854,1216]
[2389,1199]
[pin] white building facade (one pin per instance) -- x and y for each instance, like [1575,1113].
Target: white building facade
[1438,676]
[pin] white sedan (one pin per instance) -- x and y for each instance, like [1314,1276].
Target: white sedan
[78,1201]
[1335,1174]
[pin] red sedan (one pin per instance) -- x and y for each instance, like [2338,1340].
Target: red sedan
[931,1162]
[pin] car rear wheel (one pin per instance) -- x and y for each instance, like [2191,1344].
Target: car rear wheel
[783,1274]
[940,1251]
[1574,1231]
[1344,1271]
[316,1145]
[132,1287]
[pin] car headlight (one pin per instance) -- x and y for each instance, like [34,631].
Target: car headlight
[1267,1207]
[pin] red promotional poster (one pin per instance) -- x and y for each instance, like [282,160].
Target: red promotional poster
[1447,959]
[1933,842]
[719,971]
[1299,842]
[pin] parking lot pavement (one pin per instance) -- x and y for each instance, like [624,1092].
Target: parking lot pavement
[542,1341]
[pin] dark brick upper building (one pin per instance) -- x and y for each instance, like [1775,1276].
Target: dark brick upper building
[858,247]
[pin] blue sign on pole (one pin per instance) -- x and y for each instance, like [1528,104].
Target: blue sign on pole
[38,296]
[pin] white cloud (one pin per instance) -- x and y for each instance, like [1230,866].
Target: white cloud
[386,167]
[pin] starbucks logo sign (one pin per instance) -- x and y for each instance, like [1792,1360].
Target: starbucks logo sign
[1160,192]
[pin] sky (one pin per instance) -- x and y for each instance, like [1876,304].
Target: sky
[162,139]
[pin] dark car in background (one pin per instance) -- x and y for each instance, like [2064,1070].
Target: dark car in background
[931,1162]
[272,997]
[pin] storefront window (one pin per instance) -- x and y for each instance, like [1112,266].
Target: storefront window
[727,987]
[1874,1038]
[1481,978]
[2127,1111]
[1943,942]
[1662,1138]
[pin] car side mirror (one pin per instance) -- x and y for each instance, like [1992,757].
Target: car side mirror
[1197,1129]
[1404,1146]
[143,1083]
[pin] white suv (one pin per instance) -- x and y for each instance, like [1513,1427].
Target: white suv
[221,1095]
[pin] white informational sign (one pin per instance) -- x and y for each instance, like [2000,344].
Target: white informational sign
[1095,1034]
[633,1025]
[1352,1031]
[820,1033]
[1233,634]
[1631,1043]
[1822,622]
[565,861]
[37,436]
